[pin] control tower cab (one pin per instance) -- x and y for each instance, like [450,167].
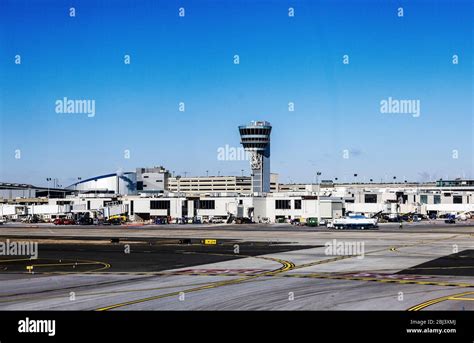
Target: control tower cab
[255,138]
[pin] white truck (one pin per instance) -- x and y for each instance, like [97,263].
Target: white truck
[355,221]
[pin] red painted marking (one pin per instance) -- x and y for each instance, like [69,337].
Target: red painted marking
[388,276]
[222,271]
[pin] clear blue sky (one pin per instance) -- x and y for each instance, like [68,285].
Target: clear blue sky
[282,59]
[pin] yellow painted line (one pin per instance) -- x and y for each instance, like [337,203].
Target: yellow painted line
[338,258]
[386,280]
[104,264]
[456,298]
[19,259]
[286,265]
[98,270]
[436,301]
[65,264]
[435,268]
[424,282]
[28,297]
[78,262]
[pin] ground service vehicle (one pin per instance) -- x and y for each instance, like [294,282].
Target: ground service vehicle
[355,221]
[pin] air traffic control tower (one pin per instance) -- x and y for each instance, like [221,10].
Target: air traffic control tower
[255,139]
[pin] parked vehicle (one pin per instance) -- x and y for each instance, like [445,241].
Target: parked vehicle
[159,221]
[115,221]
[312,221]
[85,221]
[58,221]
[355,221]
[243,220]
[450,219]
[298,222]
[32,219]
[119,217]
[63,221]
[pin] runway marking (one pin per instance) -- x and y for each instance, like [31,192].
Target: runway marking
[428,268]
[75,262]
[441,299]
[455,298]
[63,264]
[19,259]
[286,265]
[389,279]
[375,279]
[220,271]
[22,297]
[387,276]
[338,258]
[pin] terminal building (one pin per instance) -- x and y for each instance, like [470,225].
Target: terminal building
[215,184]
[25,193]
[116,183]
[152,180]
[335,201]
[172,207]
[149,193]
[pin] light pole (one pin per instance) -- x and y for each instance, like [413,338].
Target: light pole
[178,177]
[48,179]
[75,186]
[318,205]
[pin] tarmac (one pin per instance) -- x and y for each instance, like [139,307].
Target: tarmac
[423,266]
